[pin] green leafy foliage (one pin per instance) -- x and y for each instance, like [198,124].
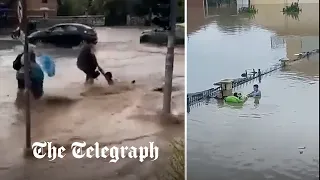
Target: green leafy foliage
[72,7]
[294,16]
[103,7]
[115,11]
[293,8]
[251,10]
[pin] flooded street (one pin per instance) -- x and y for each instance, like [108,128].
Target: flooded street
[274,138]
[122,114]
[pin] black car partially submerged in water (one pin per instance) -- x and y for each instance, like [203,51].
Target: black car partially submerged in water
[65,35]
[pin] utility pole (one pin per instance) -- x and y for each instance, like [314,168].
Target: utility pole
[167,90]
[23,20]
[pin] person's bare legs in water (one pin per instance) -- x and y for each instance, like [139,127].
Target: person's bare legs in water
[89,80]
[107,75]
[90,76]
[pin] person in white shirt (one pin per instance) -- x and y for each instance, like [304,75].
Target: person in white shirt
[256,92]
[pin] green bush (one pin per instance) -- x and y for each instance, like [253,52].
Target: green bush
[72,7]
[293,8]
[251,10]
[115,11]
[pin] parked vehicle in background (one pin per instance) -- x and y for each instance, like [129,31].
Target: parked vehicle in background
[160,36]
[65,35]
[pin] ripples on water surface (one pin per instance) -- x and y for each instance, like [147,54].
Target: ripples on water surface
[276,137]
[106,112]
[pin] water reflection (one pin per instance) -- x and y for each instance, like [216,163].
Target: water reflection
[273,38]
[294,16]
[284,25]
[261,139]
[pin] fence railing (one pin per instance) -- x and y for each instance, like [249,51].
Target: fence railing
[90,20]
[196,99]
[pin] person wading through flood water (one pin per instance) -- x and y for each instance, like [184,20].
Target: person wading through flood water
[36,74]
[87,62]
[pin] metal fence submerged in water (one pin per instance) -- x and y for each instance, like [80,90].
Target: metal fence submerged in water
[198,98]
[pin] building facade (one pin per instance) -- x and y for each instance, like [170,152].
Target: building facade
[35,6]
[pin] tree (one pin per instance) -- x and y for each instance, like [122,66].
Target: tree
[72,7]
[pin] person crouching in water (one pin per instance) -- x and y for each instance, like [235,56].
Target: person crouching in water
[36,74]
[87,62]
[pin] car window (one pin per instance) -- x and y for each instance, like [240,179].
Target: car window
[58,29]
[71,28]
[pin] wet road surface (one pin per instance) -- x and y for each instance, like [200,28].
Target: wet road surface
[276,137]
[70,111]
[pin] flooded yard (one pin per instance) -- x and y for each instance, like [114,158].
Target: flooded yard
[276,137]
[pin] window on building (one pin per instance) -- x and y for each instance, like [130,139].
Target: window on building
[44,1]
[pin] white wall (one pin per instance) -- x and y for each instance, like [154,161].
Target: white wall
[309,43]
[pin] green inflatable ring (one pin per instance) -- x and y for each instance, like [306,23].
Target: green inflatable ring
[234,99]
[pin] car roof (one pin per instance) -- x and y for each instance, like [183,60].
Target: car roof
[73,24]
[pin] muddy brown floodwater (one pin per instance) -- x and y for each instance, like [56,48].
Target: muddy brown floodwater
[123,114]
